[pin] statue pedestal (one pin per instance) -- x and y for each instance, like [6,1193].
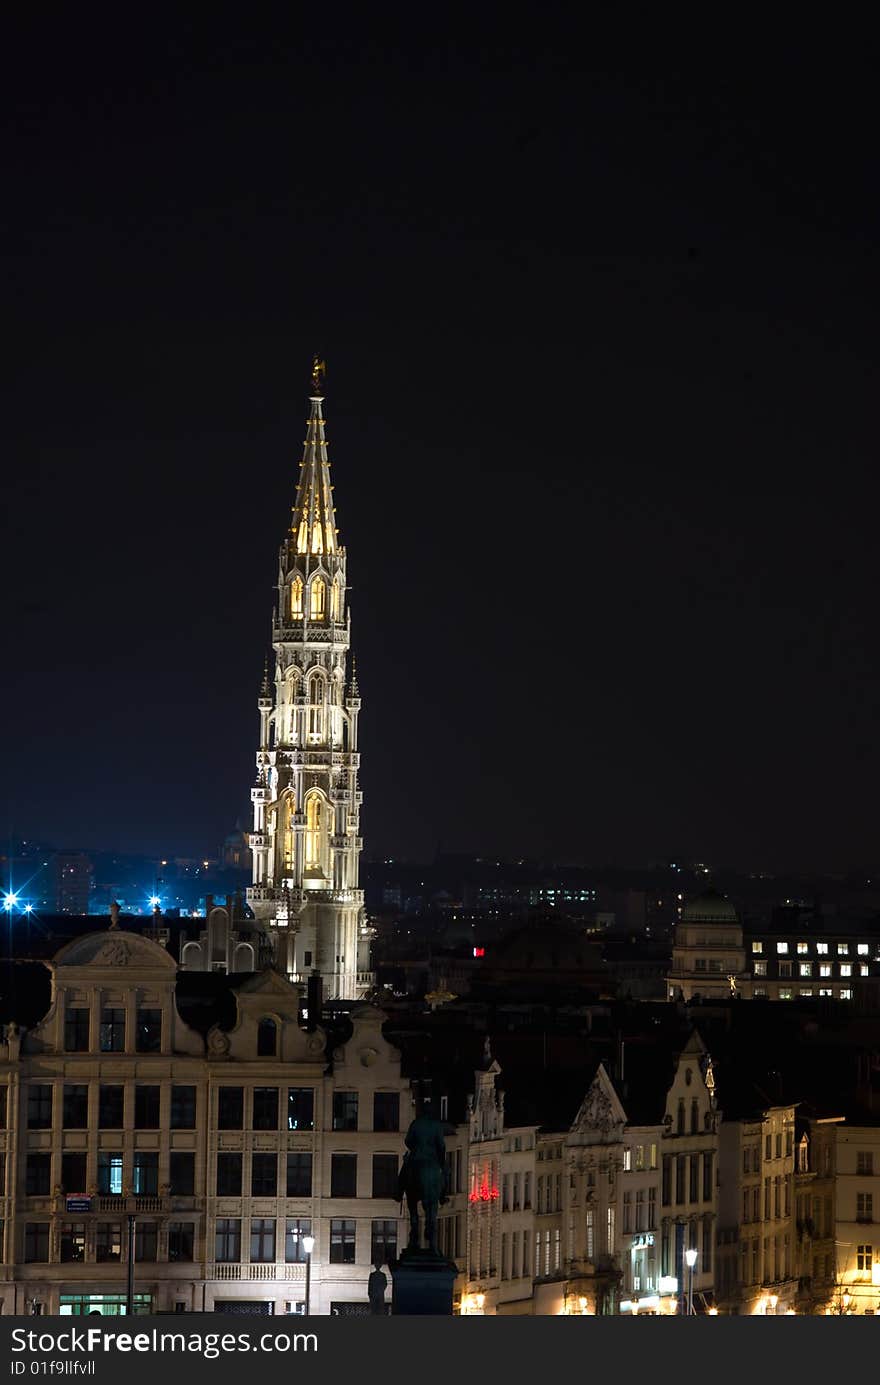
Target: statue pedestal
[422,1284]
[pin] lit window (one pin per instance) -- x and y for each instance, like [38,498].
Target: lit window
[318,604]
[826,991]
[824,968]
[822,948]
[843,949]
[627,1160]
[846,993]
[862,949]
[318,538]
[864,970]
[864,1259]
[805,990]
[760,968]
[302,538]
[334,601]
[806,968]
[846,969]
[782,948]
[296,598]
[760,992]
[757,947]
[785,993]
[803,947]
[290,811]
[314,815]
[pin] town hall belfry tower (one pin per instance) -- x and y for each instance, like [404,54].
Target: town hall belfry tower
[305,840]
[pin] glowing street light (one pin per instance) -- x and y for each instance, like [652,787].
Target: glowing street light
[155,901]
[10,900]
[308,1245]
[690,1256]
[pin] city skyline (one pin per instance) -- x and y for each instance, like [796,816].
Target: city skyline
[604,468]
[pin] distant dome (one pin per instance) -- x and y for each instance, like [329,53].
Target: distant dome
[710,907]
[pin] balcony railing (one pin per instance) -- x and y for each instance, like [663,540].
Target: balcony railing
[235,1271]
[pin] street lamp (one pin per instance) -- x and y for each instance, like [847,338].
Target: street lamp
[774,1299]
[691,1258]
[308,1243]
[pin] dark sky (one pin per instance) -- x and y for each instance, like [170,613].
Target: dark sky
[601,336]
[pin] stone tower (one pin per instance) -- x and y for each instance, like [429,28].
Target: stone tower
[305,840]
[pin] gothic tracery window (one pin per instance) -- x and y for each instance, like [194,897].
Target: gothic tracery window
[318,606]
[296,598]
[334,601]
[314,829]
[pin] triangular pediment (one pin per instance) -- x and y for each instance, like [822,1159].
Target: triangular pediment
[267,983]
[600,1111]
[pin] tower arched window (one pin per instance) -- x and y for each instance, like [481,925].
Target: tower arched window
[302,537]
[316,706]
[317,537]
[296,598]
[334,601]
[314,832]
[289,843]
[267,1038]
[318,604]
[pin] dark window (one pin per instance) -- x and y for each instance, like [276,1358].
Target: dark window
[37,1175]
[680,1119]
[265,1108]
[3,1107]
[73,1171]
[76,1106]
[183,1108]
[694,1182]
[148,1031]
[262,1240]
[666,1194]
[146,1173]
[112,1038]
[2,1175]
[36,1242]
[230,1108]
[706,1262]
[110,1107]
[299,1175]
[227,1240]
[182,1173]
[385,1175]
[342,1244]
[680,1162]
[229,1175]
[345,1113]
[110,1173]
[383,1242]
[146,1108]
[181,1240]
[707,1177]
[300,1108]
[295,1229]
[343,1175]
[108,1242]
[264,1175]
[146,1240]
[386,1111]
[76,1030]
[695,1117]
[39,1107]
[267,1038]
[73,1242]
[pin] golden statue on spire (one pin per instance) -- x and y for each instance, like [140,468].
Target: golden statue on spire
[319,370]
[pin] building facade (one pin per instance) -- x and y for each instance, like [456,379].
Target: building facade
[306,840]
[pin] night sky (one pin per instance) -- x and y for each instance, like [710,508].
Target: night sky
[601,335]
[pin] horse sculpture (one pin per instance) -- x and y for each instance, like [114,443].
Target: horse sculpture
[422,1178]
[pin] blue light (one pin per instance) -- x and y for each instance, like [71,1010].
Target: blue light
[10,900]
[29,908]
[155,901]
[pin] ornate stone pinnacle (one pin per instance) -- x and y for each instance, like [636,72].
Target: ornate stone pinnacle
[319,370]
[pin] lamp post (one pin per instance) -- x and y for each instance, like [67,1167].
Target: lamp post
[691,1258]
[308,1247]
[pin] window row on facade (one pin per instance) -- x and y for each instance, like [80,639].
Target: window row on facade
[238,1108]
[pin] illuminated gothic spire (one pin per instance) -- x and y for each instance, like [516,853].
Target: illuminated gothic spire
[313,524]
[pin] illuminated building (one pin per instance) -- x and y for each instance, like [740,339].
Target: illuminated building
[707,950]
[858,1219]
[305,840]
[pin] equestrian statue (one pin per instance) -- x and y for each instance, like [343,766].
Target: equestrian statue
[422,1177]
